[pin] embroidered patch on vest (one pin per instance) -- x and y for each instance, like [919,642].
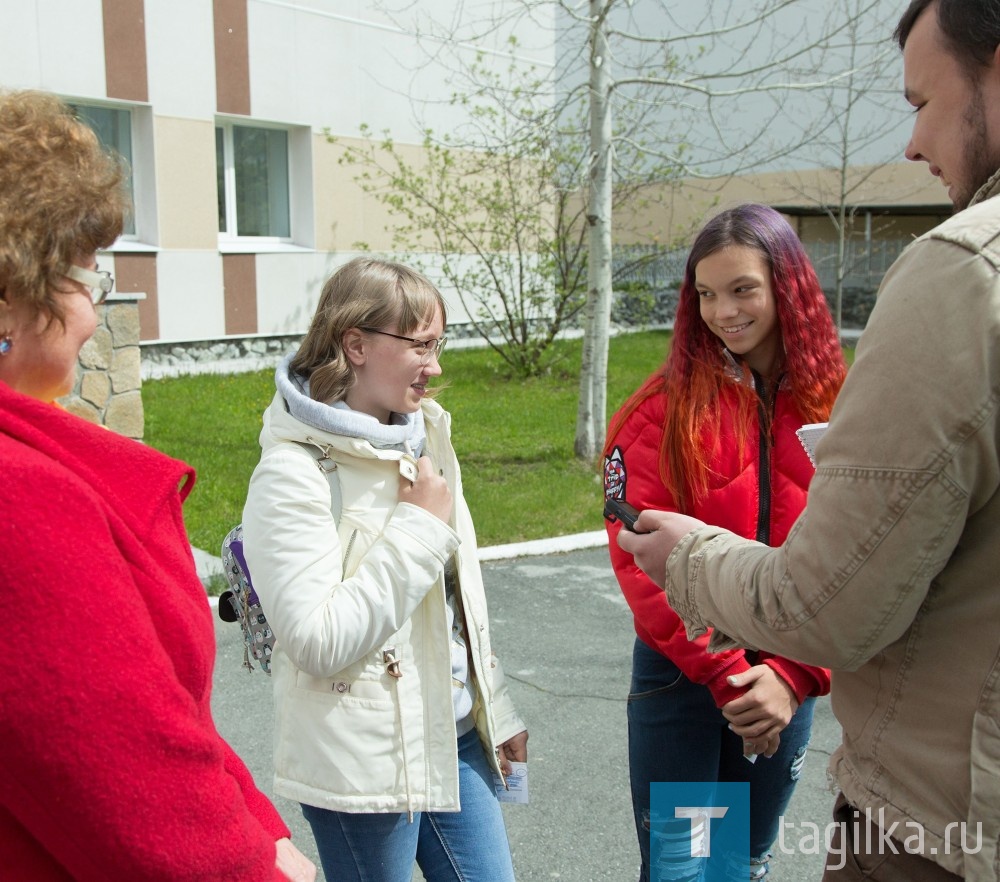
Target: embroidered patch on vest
[614,475]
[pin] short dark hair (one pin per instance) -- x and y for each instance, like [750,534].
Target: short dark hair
[971,28]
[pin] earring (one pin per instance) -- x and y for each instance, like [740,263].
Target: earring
[6,343]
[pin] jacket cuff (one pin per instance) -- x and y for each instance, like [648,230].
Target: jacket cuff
[722,692]
[426,529]
[509,728]
[801,681]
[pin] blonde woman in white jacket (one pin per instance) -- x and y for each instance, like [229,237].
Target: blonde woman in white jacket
[391,710]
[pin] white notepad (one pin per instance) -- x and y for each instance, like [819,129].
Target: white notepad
[809,435]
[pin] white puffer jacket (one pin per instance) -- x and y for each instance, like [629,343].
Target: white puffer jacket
[345,600]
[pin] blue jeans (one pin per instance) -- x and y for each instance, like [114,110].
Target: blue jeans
[676,733]
[466,846]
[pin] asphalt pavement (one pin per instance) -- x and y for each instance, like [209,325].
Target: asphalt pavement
[564,635]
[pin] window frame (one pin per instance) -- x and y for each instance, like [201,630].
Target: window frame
[135,162]
[230,236]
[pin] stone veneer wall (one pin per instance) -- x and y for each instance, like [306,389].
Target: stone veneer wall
[230,356]
[108,380]
[237,354]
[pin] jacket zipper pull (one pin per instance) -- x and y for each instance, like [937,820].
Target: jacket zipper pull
[391,662]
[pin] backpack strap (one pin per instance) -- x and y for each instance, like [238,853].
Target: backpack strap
[240,603]
[328,466]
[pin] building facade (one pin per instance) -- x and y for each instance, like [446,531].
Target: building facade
[223,110]
[234,116]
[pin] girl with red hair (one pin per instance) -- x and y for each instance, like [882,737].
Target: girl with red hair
[711,433]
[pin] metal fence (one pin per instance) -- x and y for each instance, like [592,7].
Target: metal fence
[865,262]
[647,278]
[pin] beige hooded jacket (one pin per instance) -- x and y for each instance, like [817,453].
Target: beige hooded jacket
[346,597]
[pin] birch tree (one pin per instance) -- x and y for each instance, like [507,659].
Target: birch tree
[865,132]
[706,68]
[668,91]
[499,202]
[592,406]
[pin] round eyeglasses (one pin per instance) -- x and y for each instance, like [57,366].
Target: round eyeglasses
[100,282]
[427,347]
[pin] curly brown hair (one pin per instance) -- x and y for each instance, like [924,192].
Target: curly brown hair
[62,196]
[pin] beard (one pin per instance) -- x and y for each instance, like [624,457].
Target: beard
[981,160]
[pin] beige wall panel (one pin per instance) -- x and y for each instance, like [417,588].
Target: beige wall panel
[898,184]
[337,200]
[345,214]
[670,215]
[819,229]
[185,172]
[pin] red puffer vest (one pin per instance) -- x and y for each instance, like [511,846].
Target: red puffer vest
[756,492]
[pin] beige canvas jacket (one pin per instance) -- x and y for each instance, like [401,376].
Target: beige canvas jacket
[891,577]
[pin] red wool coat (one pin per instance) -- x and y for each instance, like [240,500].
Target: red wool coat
[112,766]
[733,501]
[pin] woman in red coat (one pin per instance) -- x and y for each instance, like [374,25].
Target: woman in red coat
[112,766]
[712,434]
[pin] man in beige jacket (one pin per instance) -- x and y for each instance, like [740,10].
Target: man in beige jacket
[891,577]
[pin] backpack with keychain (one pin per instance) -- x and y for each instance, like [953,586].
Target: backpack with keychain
[240,603]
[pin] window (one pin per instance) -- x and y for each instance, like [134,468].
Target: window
[253,182]
[113,127]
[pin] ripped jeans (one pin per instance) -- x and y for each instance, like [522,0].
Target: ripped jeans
[676,733]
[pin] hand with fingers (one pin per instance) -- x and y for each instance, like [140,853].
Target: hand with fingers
[292,863]
[760,714]
[429,490]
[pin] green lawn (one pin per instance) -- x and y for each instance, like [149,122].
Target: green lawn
[514,439]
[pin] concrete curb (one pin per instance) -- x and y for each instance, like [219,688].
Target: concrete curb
[210,565]
[555,545]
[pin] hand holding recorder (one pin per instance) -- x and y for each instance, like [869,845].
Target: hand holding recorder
[620,510]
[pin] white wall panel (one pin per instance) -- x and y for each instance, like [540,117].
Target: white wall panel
[189,295]
[20,45]
[303,65]
[180,50]
[341,66]
[429,263]
[57,45]
[288,288]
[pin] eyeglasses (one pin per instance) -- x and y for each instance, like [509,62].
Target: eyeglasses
[427,347]
[100,282]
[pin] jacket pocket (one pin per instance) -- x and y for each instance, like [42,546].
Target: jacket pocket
[347,687]
[669,686]
[338,736]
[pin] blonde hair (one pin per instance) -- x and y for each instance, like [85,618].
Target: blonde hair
[62,195]
[365,293]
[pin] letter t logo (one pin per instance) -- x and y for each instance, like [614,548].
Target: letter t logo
[700,814]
